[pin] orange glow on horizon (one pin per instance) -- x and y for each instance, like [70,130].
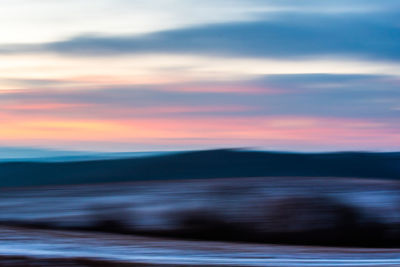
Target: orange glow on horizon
[200,130]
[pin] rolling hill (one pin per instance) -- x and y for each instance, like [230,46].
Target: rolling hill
[221,163]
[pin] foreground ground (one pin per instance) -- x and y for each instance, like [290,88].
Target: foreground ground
[111,224]
[32,247]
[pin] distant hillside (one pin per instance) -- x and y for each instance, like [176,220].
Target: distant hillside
[26,154]
[29,153]
[203,164]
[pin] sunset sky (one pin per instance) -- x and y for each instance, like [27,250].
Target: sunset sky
[127,75]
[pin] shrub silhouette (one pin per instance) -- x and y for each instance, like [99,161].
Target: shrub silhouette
[111,218]
[318,220]
[203,223]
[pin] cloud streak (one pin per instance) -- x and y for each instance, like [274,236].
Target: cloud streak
[351,96]
[291,36]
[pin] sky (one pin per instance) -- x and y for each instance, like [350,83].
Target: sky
[133,75]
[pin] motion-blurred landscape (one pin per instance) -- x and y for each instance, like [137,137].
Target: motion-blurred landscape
[199,133]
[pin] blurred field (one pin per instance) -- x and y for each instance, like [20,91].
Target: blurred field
[317,211]
[230,222]
[32,247]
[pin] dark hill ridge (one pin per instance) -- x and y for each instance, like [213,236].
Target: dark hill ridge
[203,164]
